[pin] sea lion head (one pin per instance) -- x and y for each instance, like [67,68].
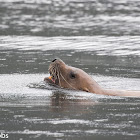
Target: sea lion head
[74,78]
[69,77]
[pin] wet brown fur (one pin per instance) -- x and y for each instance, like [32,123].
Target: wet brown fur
[81,80]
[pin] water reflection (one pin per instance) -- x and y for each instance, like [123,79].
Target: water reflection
[64,115]
[62,102]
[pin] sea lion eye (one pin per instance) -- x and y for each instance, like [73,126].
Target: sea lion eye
[72,75]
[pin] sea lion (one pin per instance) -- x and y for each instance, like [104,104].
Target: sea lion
[74,78]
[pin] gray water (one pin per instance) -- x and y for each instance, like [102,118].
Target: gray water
[100,37]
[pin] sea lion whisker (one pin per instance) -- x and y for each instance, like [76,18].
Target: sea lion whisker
[59,75]
[66,81]
[55,72]
[51,69]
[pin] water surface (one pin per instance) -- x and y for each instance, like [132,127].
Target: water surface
[70,17]
[43,111]
[100,37]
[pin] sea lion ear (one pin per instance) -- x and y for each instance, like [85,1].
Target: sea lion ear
[85,89]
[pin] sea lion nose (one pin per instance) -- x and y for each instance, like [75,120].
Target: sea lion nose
[54,60]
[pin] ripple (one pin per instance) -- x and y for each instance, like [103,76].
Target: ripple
[99,45]
[69,17]
[71,121]
[28,132]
